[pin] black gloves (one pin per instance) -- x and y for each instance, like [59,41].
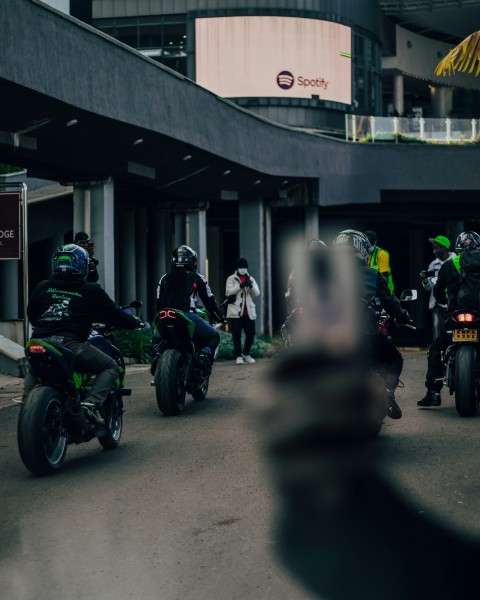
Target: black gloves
[247,283]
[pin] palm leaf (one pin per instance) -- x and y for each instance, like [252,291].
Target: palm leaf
[462,58]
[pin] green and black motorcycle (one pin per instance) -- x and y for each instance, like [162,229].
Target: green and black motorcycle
[174,360]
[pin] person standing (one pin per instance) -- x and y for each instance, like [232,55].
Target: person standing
[379,259]
[441,251]
[240,290]
[83,240]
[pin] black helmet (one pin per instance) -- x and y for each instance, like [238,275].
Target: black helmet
[70,259]
[356,241]
[185,257]
[467,239]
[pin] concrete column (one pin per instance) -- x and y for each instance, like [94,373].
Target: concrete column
[442,101]
[102,232]
[312,230]
[81,209]
[142,292]
[398,94]
[254,239]
[128,289]
[196,236]
[179,232]
[162,250]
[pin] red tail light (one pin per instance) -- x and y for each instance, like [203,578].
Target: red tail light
[37,350]
[465,317]
[170,314]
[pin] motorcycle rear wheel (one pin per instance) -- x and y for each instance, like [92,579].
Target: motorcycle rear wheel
[113,424]
[40,438]
[465,381]
[169,382]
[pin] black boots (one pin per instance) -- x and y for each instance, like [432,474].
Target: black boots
[431,398]
[393,410]
[203,365]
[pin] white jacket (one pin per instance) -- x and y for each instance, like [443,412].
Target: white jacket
[243,296]
[429,283]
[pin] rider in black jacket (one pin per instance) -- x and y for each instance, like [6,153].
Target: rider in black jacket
[373,286]
[181,288]
[62,310]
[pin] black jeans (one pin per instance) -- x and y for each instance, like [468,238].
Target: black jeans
[248,326]
[387,359]
[438,316]
[434,379]
[90,359]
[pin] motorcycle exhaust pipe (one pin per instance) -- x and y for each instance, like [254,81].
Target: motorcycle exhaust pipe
[76,414]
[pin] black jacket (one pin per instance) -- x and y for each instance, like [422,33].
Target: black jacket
[68,306]
[196,287]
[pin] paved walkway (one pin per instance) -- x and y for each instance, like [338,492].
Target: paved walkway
[11,387]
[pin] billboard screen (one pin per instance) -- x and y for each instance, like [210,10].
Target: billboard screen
[284,57]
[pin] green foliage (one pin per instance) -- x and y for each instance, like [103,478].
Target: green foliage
[137,344]
[6,169]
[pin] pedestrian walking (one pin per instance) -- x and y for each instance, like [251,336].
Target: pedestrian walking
[240,289]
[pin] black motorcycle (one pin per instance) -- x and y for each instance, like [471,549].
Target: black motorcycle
[461,360]
[174,362]
[55,413]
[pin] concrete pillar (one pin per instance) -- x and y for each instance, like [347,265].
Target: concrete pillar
[312,230]
[102,232]
[141,262]
[398,94]
[81,208]
[196,236]
[442,101]
[179,231]
[127,278]
[255,244]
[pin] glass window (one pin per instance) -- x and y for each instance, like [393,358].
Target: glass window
[150,36]
[127,35]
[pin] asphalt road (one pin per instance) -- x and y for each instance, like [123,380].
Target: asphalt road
[184,508]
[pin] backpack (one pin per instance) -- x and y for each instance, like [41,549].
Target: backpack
[468,294]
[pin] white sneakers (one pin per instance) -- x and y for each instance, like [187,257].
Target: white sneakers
[241,360]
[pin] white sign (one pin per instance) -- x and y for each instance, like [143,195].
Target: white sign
[284,57]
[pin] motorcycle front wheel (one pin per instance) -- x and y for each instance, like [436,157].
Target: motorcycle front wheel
[113,424]
[40,435]
[465,381]
[169,382]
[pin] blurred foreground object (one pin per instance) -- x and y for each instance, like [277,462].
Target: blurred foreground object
[342,529]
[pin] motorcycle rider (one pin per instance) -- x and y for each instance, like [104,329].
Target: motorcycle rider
[383,353]
[181,288]
[452,289]
[62,310]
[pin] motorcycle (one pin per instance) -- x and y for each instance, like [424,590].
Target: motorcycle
[461,360]
[55,414]
[174,361]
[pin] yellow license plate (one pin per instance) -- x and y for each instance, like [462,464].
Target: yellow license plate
[465,335]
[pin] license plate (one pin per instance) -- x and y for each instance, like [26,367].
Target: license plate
[465,335]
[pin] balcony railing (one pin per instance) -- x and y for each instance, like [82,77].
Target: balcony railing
[411,129]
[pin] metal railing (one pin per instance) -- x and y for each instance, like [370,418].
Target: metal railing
[360,128]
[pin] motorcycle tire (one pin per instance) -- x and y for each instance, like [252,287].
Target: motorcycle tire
[201,393]
[40,438]
[465,381]
[170,382]
[113,424]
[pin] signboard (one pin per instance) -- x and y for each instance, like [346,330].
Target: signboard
[10,226]
[281,57]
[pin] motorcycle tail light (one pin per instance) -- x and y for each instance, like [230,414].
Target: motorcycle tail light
[37,349]
[465,317]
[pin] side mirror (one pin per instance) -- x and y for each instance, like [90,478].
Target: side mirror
[136,304]
[408,295]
